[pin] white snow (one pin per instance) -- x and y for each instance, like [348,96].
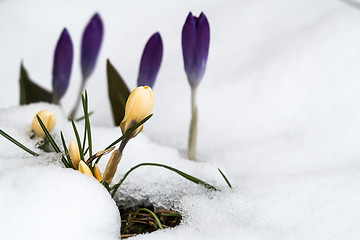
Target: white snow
[279,114]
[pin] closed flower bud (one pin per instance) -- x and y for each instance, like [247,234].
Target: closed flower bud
[139,105]
[63,58]
[195,46]
[97,173]
[49,120]
[74,154]
[90,45]
[83,168]
[150,61]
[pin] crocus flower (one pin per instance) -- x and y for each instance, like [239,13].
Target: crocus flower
[49,120]
[63,58]
[97,173]
[90,45]
[150,61]
[195,47]
[83,168]
[139,105]
[74,154]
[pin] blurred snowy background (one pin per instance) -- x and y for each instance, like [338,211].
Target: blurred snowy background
[279,111]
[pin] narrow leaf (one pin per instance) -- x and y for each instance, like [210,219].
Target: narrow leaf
[67,154]
[30,92]
[118,93]
[52,141]
[77,139]
[87,120]
[226,180]
[83,117]
[185,175]
[126,134]
[14,141]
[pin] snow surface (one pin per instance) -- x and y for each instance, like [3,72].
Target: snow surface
[279,114]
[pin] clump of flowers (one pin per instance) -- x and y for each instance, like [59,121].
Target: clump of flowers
[130,110]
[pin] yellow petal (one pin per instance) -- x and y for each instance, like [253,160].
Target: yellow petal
[97,173]
[49,120]
[83,168]
[139,105]
[74,154]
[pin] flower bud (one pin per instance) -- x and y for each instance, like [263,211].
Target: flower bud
[90,45]
[49,120]
[195,47]
[97,173]
[150,61]
[139,105]
[74,154]
[63,58]
[83,168]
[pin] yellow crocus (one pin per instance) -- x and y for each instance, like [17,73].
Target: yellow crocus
[139,105]
[97,173]
[49,120]
[74,154]
[83,168]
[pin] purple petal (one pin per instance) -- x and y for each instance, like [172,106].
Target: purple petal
[189,43]
[195,44]
[150,61]
[63,58]
[90,45]
[202,45]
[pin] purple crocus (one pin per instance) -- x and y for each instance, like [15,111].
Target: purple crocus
[90,45]
[63,58]
[195,46]
[150,61]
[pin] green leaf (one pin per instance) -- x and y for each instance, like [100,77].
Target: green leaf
[30,92]
[77,139]
[106,185]
[225,178]
[185,175]
[118,93]
[67,154]
[14,141]
[87,120]
[136,213]
[83,117]
[127,133]
[52,141]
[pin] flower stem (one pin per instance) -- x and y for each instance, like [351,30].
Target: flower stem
[113,163]
[193,126]
[74,110]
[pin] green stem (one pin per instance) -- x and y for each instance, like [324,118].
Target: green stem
[185,175]
[145,210]
[193,127]
[74,110]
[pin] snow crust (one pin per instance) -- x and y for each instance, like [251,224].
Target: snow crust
[279,114]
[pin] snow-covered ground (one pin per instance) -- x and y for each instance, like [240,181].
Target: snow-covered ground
[279,114]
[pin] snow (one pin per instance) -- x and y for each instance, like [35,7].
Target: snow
[278,110]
